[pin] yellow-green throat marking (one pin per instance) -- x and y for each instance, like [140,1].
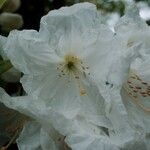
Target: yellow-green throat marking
[73,67]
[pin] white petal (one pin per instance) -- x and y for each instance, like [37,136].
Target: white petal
[38,110]
[138,108]
[10,121]
[123,133]
[54,90]
[35,137]
[30,137]
[93,105]
[46,141]
[117,60]
[130,22]
[137,117]
[68,27]
[85,142]
[28,52]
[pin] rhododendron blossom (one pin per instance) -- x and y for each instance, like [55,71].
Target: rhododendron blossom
[60,61]
[74,69]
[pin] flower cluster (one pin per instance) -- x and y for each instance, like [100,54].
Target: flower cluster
[87,88]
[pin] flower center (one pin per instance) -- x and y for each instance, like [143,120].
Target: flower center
[70,65]
[73,67]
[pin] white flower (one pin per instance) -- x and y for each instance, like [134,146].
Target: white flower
[132,99]
[69,66]
[59,61]
[66,56]
[136,86]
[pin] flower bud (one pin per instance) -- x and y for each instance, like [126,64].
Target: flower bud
[9,21]
[11,5]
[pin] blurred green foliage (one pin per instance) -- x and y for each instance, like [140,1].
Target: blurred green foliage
[2,2]
[111,6]
[104,5]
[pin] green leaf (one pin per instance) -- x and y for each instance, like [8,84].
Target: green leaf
[2,3]
[5,65]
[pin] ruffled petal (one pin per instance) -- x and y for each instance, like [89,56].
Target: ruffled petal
[69,29]
[35,137]
[11,121]
[85,142]
[130,22]
[29,53]
[135,94]
[30,137]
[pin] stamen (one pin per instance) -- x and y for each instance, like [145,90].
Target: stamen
[74,68]
[130,43]
[82,92]
[135,88]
